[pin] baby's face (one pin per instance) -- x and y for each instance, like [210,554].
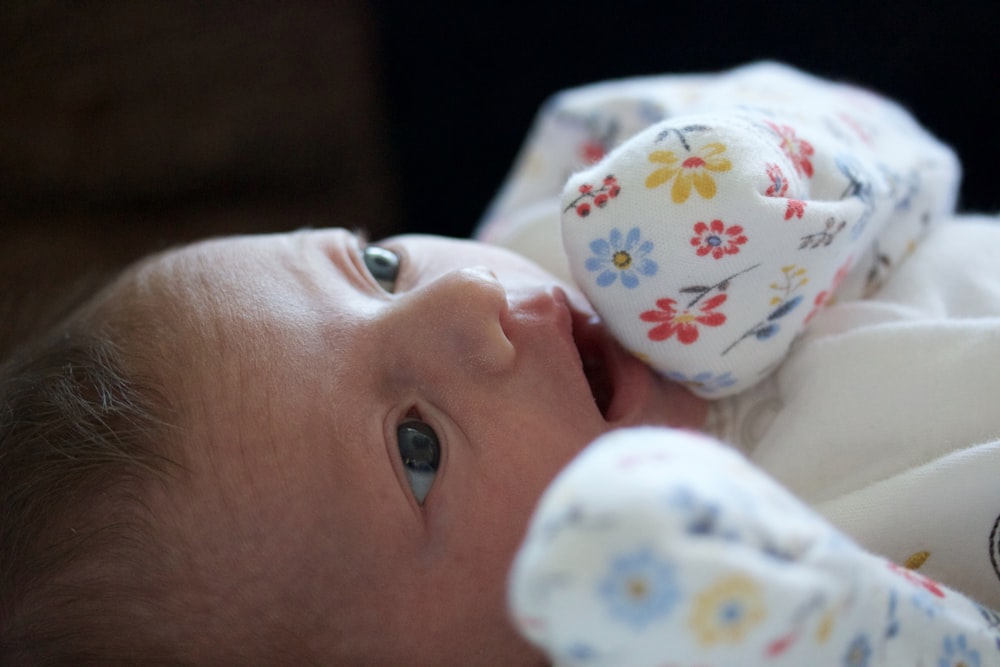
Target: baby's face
[367,432]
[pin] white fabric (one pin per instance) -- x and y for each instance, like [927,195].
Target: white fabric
[709,240]
[884,415]
[689,555]
[889,406]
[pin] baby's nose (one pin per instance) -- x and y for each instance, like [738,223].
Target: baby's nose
[457,319]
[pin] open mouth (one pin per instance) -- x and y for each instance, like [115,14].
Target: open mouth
[590,344]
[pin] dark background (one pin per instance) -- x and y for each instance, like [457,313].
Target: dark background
[462,86]
[131,125]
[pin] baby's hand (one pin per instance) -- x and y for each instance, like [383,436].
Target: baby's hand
[708,242]
[658,547]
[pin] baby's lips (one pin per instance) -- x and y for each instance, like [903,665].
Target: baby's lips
[617,379]
[625,378]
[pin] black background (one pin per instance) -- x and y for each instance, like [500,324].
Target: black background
[463,82]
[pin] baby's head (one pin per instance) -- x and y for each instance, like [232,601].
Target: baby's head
[319,451]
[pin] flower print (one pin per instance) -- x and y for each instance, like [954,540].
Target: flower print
[701,517]
[797,150]
[858,185]
[824,237]
[684,324]
[796,208]
[779,188]
[705,382]
[991,617]
[825,627]
[859,652]
[727,610]
[892,620]
[795,278]
[779,185]
[591,151]
[823,298]
[580,652]
[863,133]
[784,303]
[621,257]
[918,579]
[926,603]
[956,652]
[689,171]
[717,239]
[600,197]
[639,588]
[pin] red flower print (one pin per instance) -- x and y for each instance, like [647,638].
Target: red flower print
[918,579]
[779,186]
[611,183]
[823,297]
[601,196]
[717,239]
[852,123]
[683,324]
[797,150]
[796,208]
[592,151]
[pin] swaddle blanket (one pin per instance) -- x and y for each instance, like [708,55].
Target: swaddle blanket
[668,549]
[709,240]
[691,557]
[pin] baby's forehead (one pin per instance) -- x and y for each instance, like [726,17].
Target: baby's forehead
[186,278]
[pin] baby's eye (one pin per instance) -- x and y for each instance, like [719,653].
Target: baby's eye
[421,453]
[383,264]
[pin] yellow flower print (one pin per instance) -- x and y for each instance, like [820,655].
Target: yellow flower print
[726,611]
[691,171]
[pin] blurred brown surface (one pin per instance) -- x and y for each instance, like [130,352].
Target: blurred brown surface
[126,127]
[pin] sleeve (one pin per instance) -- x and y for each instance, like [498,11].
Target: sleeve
[573,130]
[710,240]
[888,423]
[659,547]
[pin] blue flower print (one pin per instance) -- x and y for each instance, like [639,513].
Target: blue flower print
[770,327]
[926,603]
[858,653]
[957,653]
[701,517]
[626,257]
[580,652]
[639,588]
[705,382]
[858,185]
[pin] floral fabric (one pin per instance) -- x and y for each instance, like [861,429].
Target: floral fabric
[671,551]
[691,557]
[710,239]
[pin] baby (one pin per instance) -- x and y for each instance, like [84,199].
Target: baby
[300,448]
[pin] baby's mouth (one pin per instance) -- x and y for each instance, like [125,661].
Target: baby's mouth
[589,343]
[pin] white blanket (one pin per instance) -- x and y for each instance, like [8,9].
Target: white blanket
[884,418]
